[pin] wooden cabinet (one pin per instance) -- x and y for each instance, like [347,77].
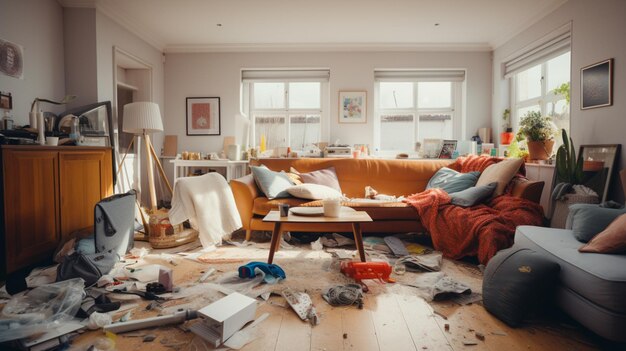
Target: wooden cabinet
[48,192]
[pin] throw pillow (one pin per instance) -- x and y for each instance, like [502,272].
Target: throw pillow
[515,282]
[273,184]
[610,241]
[313,192]
[586,220]
[452,181]
[473,196]
[326,177]
[501,172]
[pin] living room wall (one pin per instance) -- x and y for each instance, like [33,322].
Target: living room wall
[219,75]
[598,32]
[38,27]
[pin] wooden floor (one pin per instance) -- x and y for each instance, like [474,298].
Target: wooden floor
[393,317]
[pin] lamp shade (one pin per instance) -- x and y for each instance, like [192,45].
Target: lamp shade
[140,117]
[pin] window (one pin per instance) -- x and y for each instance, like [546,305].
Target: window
[540,88]
[411,108]
[286,108]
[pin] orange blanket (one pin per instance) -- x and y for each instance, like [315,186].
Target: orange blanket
[480,230]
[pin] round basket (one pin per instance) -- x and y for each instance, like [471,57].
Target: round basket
[162,234]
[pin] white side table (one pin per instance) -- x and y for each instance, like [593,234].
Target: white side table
[234,169]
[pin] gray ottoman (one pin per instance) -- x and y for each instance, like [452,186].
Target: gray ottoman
[592,287]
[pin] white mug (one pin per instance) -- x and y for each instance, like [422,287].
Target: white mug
[52,141]
[332,207]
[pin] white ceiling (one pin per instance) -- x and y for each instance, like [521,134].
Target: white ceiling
[192,25]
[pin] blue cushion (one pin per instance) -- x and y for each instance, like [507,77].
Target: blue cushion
[474,195]
[587,220]
[273,184]
[452,181]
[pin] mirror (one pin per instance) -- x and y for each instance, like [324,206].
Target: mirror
[599,166]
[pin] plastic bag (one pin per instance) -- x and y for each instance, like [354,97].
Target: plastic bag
[41,309]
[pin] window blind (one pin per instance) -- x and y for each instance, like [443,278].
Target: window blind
[439,75]
[550,46]
[269,75]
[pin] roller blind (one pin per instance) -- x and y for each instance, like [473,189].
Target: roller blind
[315,75]
[443,75]
[550,46]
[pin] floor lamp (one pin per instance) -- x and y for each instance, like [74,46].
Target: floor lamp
[144,118]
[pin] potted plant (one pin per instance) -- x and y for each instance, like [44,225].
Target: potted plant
[539,132]
[507,136]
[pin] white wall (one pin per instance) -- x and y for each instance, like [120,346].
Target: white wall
[38,27]
[81,75]
[219,75]
[598,33]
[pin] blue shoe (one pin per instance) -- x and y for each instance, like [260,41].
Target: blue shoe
[247,271]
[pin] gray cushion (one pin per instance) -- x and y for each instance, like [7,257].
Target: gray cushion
[273,184]
[473,196]
[599,278]
[327,177]
[587,220]
[452,181]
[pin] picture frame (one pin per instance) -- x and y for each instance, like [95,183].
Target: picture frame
[596,85]
[6,101]
[353,106]
[447,149]
[203,116]
[599,162]
[431,148]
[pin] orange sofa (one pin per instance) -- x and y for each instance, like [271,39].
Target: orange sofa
[389,177]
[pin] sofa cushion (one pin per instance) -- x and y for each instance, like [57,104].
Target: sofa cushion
[587,220]
[327,177]
[599,278]
[473,196]
[515,282]
[452,181]
[312,191]
[612,240]
[501,172]
[263,205]
[272,184]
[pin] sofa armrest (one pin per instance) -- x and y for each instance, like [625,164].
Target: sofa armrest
[245,191]
[528,189]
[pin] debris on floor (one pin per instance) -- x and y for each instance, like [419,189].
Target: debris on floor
[367,270]
[418,263]
[437,285]
[302,304]
[344,295]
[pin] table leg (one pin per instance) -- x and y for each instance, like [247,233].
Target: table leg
[275,242]
[358,240]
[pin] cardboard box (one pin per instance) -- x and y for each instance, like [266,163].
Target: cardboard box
[224,317]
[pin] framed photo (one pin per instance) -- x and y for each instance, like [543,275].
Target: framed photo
[203,116]
[6,101]
[352,107]
[11,59]
[447,149]
[596,85]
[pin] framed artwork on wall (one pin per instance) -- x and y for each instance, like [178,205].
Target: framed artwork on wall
[6,101]
[352,107]
[596,85]
[11,59]
[203,116]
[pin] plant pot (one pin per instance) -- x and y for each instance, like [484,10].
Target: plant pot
[506,138]
[540,150]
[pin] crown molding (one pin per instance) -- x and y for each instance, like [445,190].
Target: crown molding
[78,3]
[129,25]
[326,47]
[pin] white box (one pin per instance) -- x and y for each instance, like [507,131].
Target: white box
[224,317]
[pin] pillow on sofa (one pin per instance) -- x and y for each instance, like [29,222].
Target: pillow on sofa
[586,220]
[312,191]
[273,184]
[452,181]
[515,281]
[612,240]
[474,195]
[501,172]
[326,176]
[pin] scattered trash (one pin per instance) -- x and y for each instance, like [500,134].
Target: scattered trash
[245,335]
[302,304]
[467,299]
[126,317]
[399,268]
[317,245]
[344,295]
[376,244]
[480,336]
[345,335]
[343,254]
[206,275]
[137,253]
[178,317]
[98,320]
[447,327]
[470,343]
[336,240]
[396,245]
[418,263]
[437,285]
[41,276]
[166,278]
[367,270]
[149,338]
[273,272]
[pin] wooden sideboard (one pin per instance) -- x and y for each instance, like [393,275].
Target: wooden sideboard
[47,193]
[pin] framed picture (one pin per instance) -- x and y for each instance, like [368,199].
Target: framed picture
[599,166]
[11,59]
[203,116]
[6,101]
[447,149]
[352,107]
[431,148]
[596,85]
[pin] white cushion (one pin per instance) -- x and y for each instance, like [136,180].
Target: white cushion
[501,172]
[312,191]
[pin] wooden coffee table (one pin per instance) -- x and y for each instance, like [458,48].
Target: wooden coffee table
[347,215]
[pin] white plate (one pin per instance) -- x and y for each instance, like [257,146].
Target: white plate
[307,211]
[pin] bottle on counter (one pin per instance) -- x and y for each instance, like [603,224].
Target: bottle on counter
[7,121]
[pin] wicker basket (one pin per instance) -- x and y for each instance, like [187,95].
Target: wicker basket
[163,235]
[561,208]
